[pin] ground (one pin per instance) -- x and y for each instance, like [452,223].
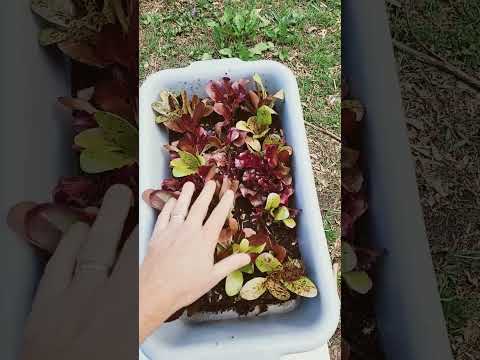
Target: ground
[442,116]
[303,35]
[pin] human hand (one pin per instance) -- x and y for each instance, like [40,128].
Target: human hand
[179,266]
[83,306]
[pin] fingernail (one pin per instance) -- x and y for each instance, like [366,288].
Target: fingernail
[187,184]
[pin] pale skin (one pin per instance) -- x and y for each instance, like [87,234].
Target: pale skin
[82,306]
[179,266]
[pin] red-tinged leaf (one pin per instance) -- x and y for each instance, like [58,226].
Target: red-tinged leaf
[226,238]
[246,192]
[284,156]
[261,238]
[77,104]
[223,254]
[226,182]
[16,217]
[351,129]
[271,155]
[285,195]
[218,158]
[236,137]
[113,96]
[279,252]
[352,179]
[215,142]
[254,99]
[253,257]
[233,225]
[198,113]
[248,232]
[77,191]
[111,46]
[281,171]
[349,157]
[248,160]
[227,96]
[173,125]
[223,110]
[156,198]
[194,142]
[81,52]
[43,225]
[82,121]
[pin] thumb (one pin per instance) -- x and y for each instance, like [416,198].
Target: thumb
[229,265]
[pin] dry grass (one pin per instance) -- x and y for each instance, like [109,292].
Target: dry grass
[444,131]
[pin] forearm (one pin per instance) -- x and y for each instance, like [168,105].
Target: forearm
[149,317]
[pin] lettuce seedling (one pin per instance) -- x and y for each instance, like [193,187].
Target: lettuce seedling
[234,281]
[277,212]
[112,145]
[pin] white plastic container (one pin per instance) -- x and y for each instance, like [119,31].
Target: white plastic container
[409,313]
[313,321]
[35,150]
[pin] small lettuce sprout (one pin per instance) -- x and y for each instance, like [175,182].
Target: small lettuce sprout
[267,263]
[258,125]
[234,281]
[280,280]
[279,213]
[112,145]
[356,280]
[186,164]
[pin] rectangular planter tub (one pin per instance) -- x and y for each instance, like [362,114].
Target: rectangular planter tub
[313,321]
[409,313]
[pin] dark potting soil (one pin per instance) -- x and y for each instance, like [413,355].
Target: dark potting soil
[359,325]
[217,301]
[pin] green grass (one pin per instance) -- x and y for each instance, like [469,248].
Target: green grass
[458,291]
[449,28]
[331,229]
[305,35]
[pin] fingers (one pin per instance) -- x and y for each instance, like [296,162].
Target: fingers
[156,198]
[162,222]
[106,232]
[199,209]
[180,211]
[126,267]
[229,265]
[164,217]
[217,219]
[59,271]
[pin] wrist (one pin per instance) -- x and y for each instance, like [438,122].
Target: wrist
[154,310]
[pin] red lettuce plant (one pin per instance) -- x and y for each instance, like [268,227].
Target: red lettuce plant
[356,260]
[233,137]
[103,37]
